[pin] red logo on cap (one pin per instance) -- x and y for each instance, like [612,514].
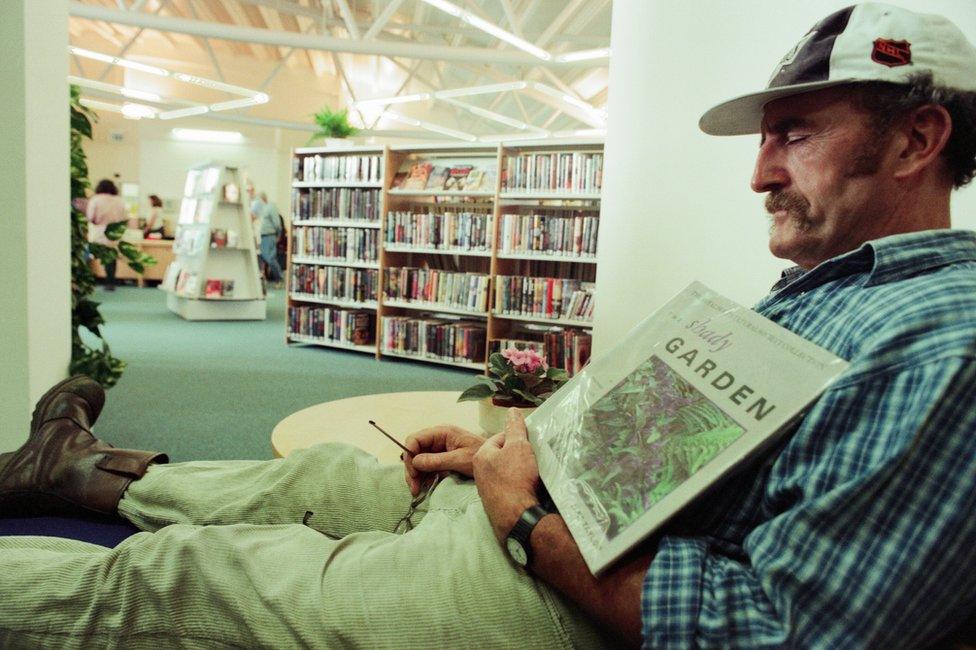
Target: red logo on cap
[891,53]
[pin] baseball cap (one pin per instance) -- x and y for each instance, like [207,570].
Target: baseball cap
[864,42]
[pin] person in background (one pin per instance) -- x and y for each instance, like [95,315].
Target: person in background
[104,209]
[154,223]
[270,229]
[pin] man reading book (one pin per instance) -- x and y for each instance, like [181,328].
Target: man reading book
[856,531]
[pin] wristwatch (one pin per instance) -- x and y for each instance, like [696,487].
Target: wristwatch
[517,543]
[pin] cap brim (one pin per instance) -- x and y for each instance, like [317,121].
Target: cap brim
[743,115]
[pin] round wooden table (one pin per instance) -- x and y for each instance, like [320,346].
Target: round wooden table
[347,420]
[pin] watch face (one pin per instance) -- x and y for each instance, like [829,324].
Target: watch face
[516,551]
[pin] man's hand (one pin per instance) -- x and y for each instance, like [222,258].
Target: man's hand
[507,475]
[439,449]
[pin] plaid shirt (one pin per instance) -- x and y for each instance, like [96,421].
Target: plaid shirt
[859,531]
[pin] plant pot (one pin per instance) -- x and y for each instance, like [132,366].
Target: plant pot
[336,143]
[492,418]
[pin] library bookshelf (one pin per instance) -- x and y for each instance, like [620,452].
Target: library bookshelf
[215,274]
[459,249]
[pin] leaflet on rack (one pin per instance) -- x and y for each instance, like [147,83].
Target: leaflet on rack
[697,388]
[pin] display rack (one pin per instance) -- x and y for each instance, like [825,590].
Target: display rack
[215,275]
[457,227]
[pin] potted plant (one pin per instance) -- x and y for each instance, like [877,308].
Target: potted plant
[332,125]
[516,378]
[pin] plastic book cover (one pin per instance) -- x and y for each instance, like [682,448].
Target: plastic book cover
[227,288]
[437,178]
[698,387]
[457,177]
[417,176]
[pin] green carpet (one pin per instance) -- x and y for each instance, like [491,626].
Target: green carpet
[215,390]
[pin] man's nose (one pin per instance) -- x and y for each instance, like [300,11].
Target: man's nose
[769,173]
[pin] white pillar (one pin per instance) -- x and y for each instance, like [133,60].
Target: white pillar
[676,203]
[35,299]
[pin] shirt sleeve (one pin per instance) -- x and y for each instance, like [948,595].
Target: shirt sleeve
[867,539]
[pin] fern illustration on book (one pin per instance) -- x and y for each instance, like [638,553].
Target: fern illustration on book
[696,389]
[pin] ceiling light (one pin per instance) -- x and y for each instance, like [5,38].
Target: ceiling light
[114,60]
[100,106]
[183,112]
[503,137]
[491,115]
[569,99]
[436,128]
[233,103]
[398,99]
[140,94]
[489,28]
[201,135]
[138,111]
[481,90]
[584,55]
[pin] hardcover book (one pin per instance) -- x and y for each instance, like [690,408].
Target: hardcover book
[693,391]
[417,176]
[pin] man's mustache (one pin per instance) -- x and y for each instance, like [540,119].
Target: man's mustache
[790,203]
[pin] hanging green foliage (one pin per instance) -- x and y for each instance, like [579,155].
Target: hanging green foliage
[333,124]
[95,361]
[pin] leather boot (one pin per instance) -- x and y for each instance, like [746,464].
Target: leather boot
[63,468]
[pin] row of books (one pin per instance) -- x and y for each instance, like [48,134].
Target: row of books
[459,290]
[553,172]
[535,233]
[354,169]
[334,282]
[517,295]
[329,324]
[336,203]
[445,175]
[432,338]
[354,244]
[568,349]
[447,230]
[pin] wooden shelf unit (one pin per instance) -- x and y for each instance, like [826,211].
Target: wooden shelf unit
[493,262]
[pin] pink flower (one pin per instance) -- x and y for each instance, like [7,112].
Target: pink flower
[524,361]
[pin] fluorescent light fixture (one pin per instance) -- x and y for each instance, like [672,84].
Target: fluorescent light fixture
[436,128]
[183,112]
[481,90]
[232,104]
[398,99]
[491,115]
[114,60]
[401,118]
[446,7]
[140,94]
[214,85]
[490,28]
[508,37]
[100,106]
[581,133]
[503,137]
[138,111]
[584,55]
[569,99]
[201,135]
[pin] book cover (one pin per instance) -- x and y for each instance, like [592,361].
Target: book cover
[213,288]
[227,288]
[417,176]
[218,238]
[437,178]
[457,177]
[697,388]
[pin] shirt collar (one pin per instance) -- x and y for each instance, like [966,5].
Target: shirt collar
[888,259]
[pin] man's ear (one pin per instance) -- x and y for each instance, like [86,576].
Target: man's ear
[927,128]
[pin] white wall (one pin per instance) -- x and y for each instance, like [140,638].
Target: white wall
[35,312]
[677,204]
[150,156]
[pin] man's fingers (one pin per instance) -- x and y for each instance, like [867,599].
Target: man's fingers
[459,459]
[515,426]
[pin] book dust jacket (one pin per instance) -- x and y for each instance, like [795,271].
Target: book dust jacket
[691,392]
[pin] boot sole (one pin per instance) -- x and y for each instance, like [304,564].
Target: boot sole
[94,398]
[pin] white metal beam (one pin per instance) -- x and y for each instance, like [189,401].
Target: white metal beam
[349,19]
[205,43]
[382,19]
[290,39]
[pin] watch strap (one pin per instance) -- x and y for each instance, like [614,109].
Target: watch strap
[522,530]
